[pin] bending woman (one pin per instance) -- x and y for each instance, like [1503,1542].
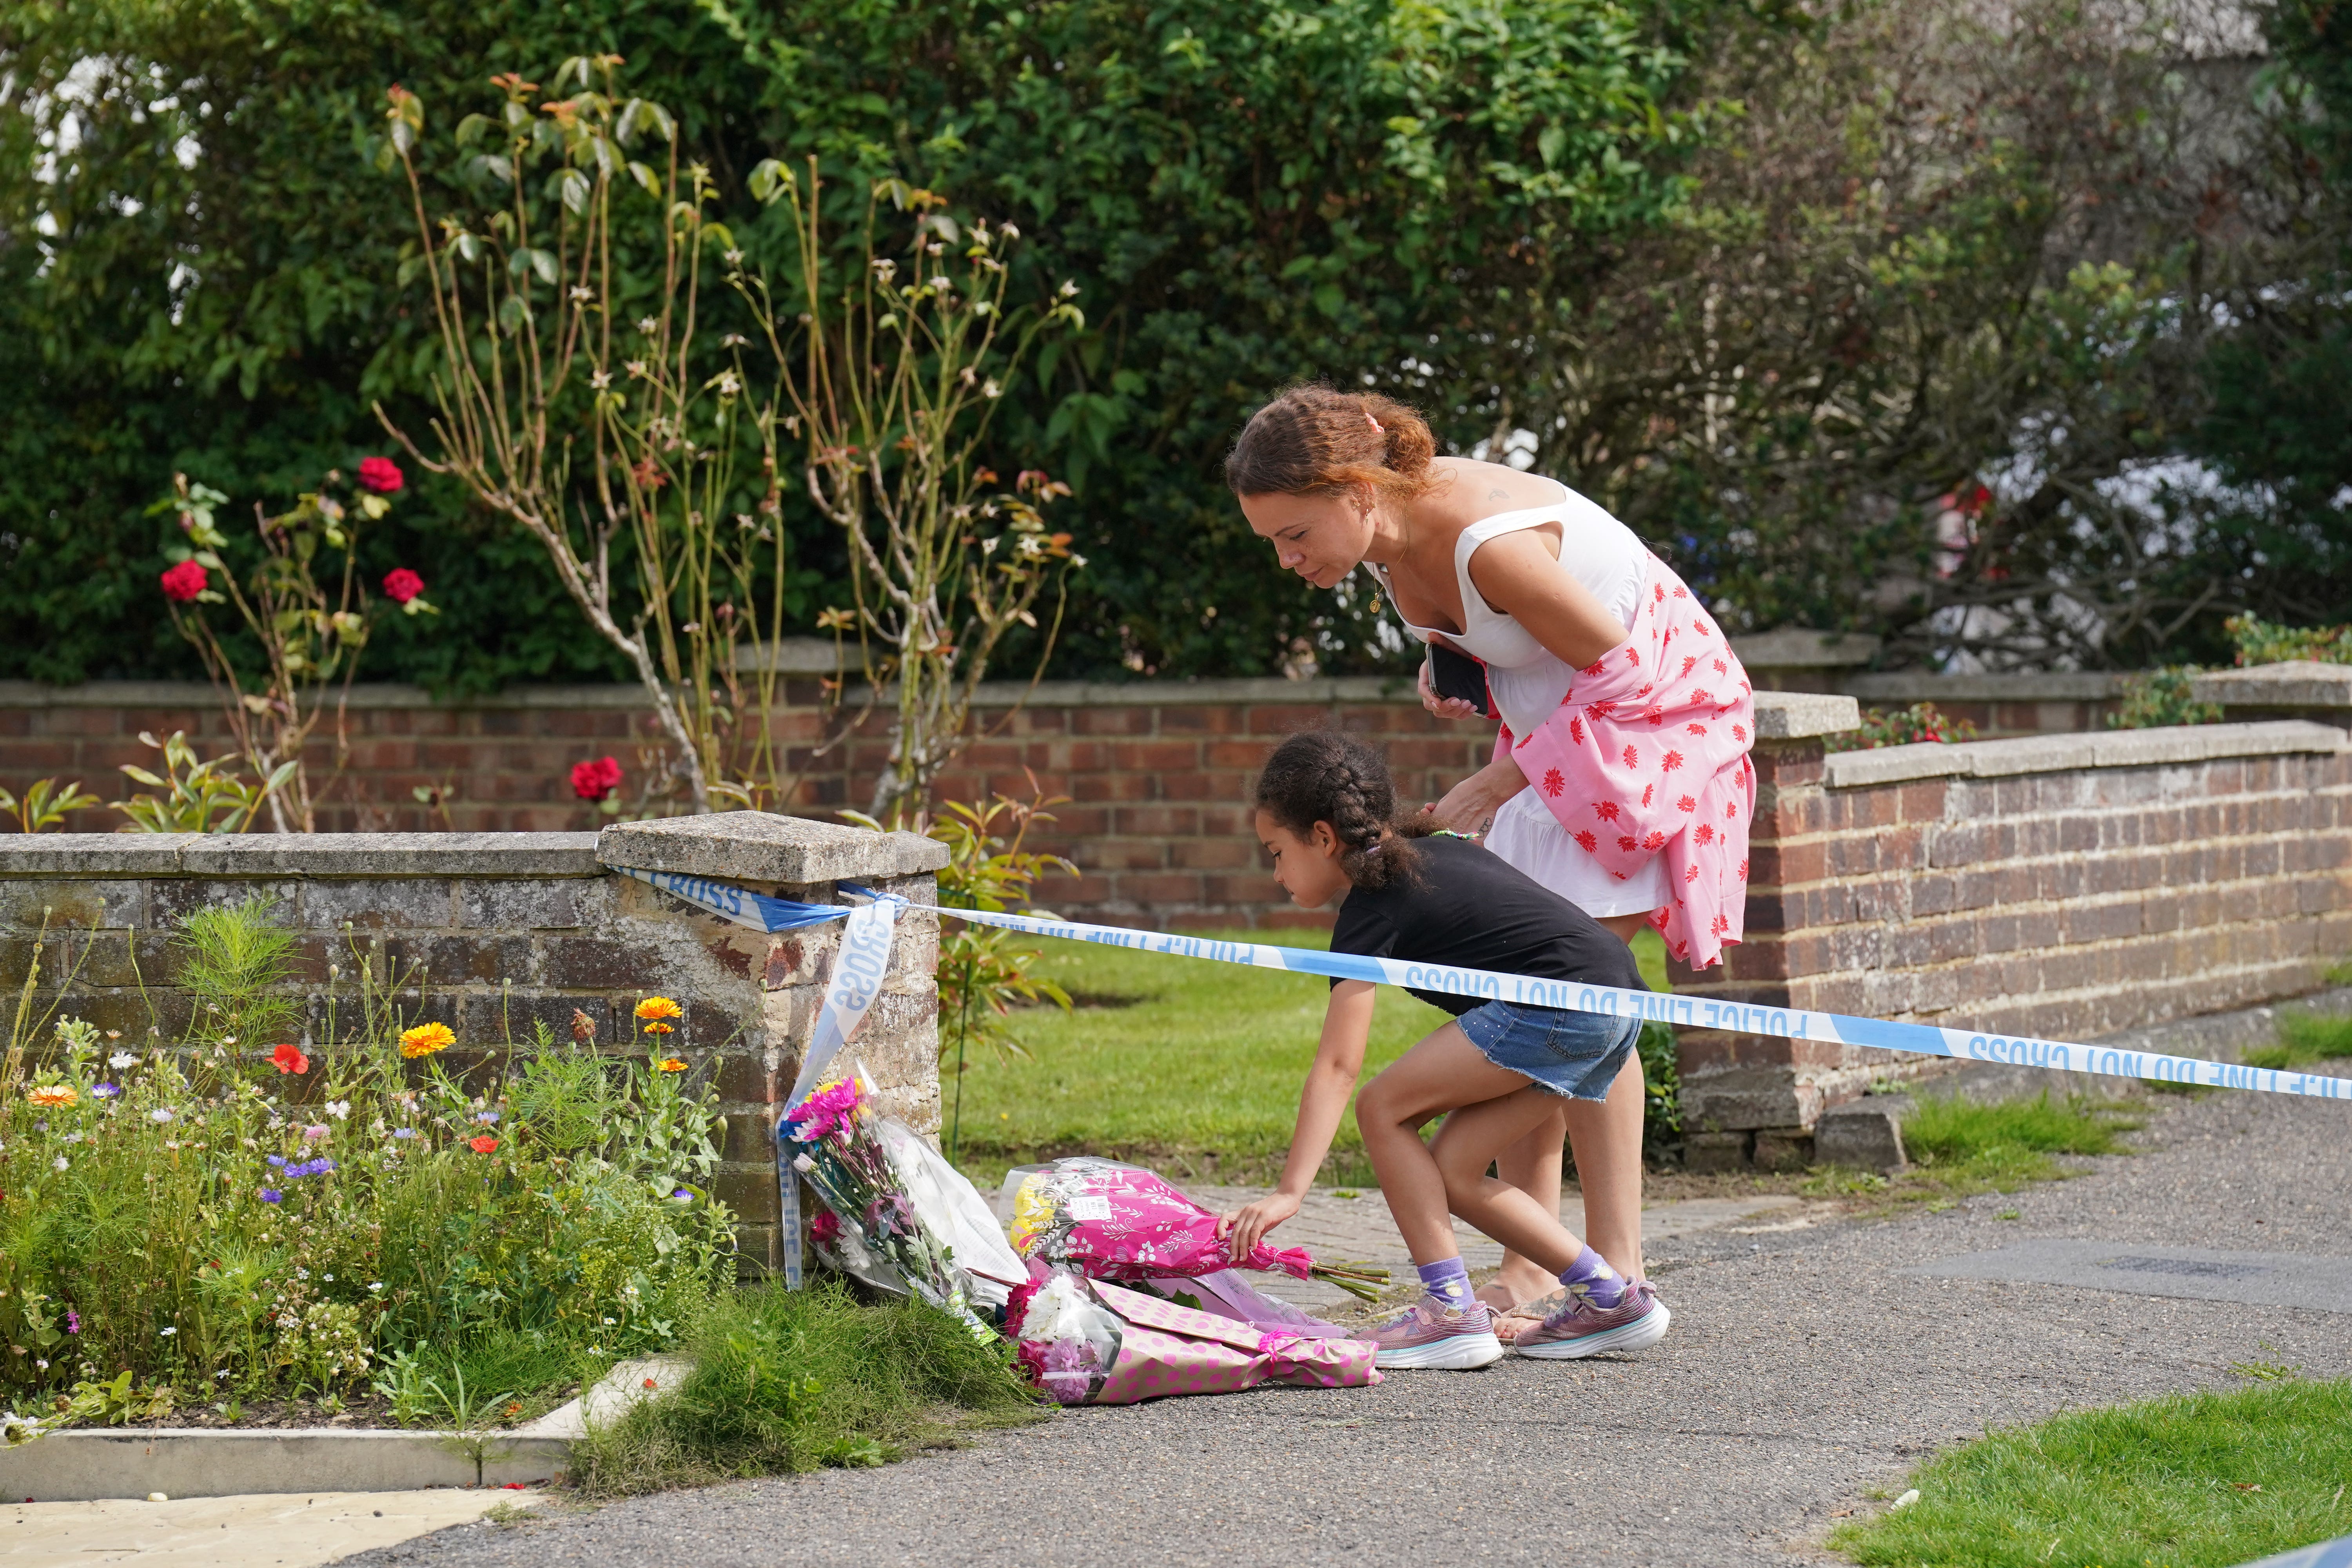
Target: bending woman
[1620,778]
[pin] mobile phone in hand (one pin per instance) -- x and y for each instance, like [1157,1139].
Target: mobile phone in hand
[1452,674]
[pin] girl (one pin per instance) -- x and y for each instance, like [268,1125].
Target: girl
[1327,814]
[1619,780]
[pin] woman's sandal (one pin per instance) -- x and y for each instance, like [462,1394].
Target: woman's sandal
[1510,1317]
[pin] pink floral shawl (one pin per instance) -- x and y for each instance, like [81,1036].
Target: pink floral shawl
[1648,755]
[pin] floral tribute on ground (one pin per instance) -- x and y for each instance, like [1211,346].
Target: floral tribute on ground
[1109,1220]
[1088,1341]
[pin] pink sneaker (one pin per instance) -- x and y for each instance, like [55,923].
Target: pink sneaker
[1578,1328]
[1433,1333]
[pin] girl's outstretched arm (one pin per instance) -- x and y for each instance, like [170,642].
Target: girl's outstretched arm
[1338,1062]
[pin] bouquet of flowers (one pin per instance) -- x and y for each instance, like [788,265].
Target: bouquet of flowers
[869,1224]
[1114,1221]
[1088,1341]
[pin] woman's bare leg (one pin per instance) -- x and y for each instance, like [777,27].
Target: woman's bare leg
[1594,1130]
[1607,1137]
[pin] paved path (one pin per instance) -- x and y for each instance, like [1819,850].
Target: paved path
[1807,1367]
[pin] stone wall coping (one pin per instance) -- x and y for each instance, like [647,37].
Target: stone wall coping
[2098,749]
[1792,647]
[2303,683]
[1927,686]
[761,846]
[299,854]
[1795,715]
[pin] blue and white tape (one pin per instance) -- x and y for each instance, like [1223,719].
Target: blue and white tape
[1677,1008]
[764,913]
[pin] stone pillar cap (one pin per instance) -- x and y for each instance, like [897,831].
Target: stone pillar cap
[761,846]
[2298,683]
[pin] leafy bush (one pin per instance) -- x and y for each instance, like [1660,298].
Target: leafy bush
[2259,642]
[224,1217]
[791,1380]
[1902,727]
[2158,699]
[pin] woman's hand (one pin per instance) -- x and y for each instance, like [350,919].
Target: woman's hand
[1444,707]
[1242,1228]
[1470,805]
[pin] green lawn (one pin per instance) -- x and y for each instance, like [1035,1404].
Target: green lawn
[1190,1065]
[2201,1480]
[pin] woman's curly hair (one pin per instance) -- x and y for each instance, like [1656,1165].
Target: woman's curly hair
[1323,776]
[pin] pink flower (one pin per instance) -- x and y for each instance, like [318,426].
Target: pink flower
[184,582]
[380,475]
[595,780]
[825,1226]
[829,1108]
[400,585]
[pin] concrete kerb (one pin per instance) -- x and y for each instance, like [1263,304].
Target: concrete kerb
[84,1466]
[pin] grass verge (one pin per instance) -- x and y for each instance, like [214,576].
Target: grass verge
[792,1380]
[1189,1066]
[1961,1147]
[2304,1038]
[2196,1480]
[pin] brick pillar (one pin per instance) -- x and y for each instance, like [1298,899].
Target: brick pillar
[1750,1098]
[780,979]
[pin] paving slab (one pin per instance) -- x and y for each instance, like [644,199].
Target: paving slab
[273,1530]
[1809,1369]
[2261,1278]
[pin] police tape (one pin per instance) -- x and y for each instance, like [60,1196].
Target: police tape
[757,909]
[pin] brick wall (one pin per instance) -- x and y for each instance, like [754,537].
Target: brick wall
[2065,886]
[1157,775]
[491,933]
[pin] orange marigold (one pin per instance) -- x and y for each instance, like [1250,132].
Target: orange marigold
[51,1096]
[671,1064]
[424,1039]
[656,1013]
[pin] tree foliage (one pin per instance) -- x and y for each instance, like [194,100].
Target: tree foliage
[2025,343]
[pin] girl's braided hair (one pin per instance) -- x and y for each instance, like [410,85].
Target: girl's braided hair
[1323,776]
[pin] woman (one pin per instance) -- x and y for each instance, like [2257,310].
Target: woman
[1620,779]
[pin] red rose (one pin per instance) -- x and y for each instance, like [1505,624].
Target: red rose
[289,1058]
[595,780]
[825,1226]
[380,475]
[400,584]
[482,1145]
[184,582]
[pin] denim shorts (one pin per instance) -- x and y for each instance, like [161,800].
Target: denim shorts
[1578,1054]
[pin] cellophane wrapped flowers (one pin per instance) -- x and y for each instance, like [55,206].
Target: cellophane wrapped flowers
[1109,1220]
[839,1150]
[1088,1341]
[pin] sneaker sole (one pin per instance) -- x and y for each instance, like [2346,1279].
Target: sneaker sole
[1457,1352]
[1639,1334]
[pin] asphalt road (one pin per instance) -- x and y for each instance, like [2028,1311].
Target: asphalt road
[1806,1370]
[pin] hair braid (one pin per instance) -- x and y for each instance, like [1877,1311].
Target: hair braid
[1322,775]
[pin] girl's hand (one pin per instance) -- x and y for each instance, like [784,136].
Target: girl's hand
[1444,707]
[1470,805]
[1242,1228]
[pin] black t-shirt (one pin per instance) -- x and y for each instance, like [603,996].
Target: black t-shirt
[1462,905]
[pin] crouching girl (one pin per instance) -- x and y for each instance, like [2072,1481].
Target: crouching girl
[1327,813]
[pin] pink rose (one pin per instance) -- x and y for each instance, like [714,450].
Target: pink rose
[380,475]
[184,582]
